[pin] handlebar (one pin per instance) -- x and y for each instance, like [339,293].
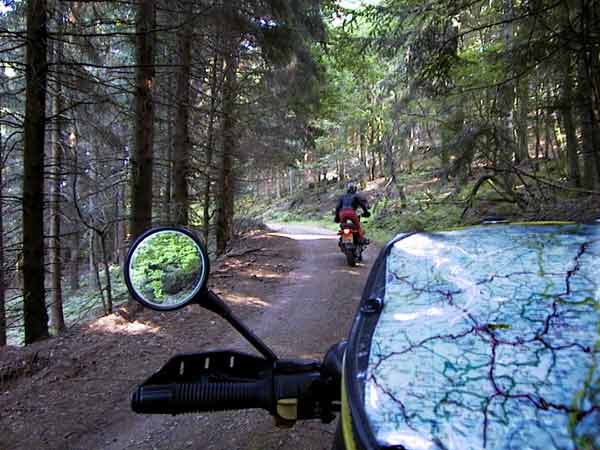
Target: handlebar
[311,396]
[179,398]
[215,381]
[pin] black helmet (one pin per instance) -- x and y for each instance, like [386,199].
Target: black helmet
[351,188]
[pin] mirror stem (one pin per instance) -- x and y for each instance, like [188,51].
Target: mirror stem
[215,304]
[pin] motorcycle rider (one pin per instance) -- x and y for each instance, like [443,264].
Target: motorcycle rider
[346,209]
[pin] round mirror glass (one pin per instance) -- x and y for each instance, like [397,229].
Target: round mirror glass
[166,268]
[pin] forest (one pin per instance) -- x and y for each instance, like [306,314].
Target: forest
[116,116]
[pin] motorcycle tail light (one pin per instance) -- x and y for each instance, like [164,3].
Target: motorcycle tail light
[347,231]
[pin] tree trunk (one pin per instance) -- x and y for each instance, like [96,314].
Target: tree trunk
[362,143]
[225,203]
[92,279]
[56,310]
[109,299]
[506,94]
[390,162]
[74,260]
[2,265]
[169,163]
[411,146]
[522,85]
[210,146]
[587,129]
[142,160]
[95,270]
[34,305]
[446,139]
[567,116]
[275,177]
[123,226]
[181,148]
[538,138]
[522,123]
[373,161]
[370,145]
[116,230]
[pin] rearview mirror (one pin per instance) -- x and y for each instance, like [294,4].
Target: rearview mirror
[166,268]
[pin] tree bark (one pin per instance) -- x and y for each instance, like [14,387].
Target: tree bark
[388,148]
[505,142]
[123,225]
[2,265]
[522,123]
[34,305]
[74,260]
[210,145]
[92,278]
[182,143]
[587,128]
[568,123]
[109,299]
[168,180]
[143,158]
[116,230]
[95,269]
[142,161]
[56,310]
[362,144]
[225,204]
[446,139]
[412,135]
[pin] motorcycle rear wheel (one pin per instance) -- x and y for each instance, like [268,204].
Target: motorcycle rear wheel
[350,257]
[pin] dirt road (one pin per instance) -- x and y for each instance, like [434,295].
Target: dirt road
[298,295]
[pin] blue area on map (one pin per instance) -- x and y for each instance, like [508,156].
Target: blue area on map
[489,338]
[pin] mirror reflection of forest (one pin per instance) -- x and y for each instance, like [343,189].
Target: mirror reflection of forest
[166,268]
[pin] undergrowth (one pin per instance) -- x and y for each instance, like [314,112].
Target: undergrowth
[78,305]
[430,204]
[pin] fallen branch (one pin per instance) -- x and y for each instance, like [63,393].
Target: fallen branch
[244,252]
[471,197]
[221,275]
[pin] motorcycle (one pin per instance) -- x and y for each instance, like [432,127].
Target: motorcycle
[484,337]
[349,242]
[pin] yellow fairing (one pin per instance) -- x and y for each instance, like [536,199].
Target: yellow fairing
[349,441]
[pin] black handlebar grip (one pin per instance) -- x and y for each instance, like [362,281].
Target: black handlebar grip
[178,398]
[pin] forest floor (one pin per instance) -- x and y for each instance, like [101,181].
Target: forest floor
[291,286]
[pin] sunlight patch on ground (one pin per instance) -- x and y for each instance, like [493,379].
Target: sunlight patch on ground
[351,272]
[304,237]
[270,275]
[118,325]
[246,300]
